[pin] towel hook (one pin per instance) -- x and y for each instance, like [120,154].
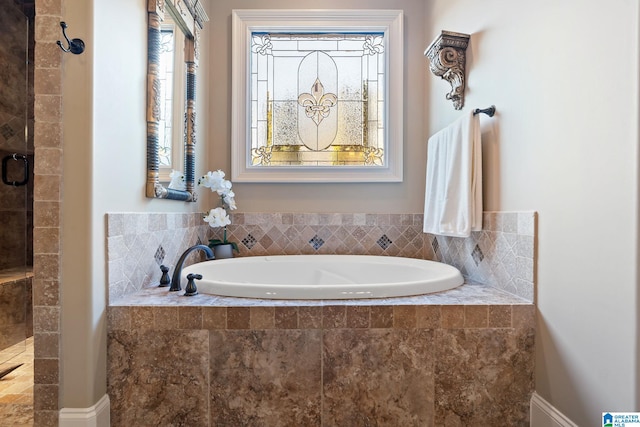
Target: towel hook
[76,46]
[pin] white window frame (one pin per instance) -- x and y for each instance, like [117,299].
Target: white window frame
[247,21]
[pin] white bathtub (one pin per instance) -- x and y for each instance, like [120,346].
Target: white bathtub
[323,277]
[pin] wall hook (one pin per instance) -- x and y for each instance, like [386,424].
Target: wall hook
[76,46]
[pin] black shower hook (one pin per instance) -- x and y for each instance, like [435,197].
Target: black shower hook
[76,46]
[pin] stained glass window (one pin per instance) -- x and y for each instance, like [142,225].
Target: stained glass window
[317,99]
[317,95]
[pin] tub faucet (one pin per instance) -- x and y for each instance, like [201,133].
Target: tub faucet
[175,280]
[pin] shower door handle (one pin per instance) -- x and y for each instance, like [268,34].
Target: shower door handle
[16,157]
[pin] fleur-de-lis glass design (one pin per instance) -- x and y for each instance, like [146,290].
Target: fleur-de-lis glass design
[317,104]
[373,156]
[373,45]
[261,44]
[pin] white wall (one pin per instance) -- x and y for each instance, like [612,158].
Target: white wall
[564,78]
[104,171]
[78,364]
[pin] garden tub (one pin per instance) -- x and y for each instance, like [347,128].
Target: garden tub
[323,277]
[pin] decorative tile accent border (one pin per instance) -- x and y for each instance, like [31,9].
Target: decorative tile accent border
[502,255]
[327,233]
[179,317]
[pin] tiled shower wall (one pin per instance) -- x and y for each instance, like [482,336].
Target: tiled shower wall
[501,255]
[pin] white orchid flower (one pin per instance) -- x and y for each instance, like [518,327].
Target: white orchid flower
[216,183]
[217,217]
[229,200]
[212,180]
[223,187]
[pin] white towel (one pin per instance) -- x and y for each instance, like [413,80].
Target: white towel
[453,194]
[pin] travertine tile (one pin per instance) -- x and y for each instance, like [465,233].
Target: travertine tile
[46,345]
[502,255]
[238,318]
[48,108]
[476,316]
[165,318]
[452,316]
[499,316]
[334,317]
[310,317]
[358,316]
[49,7]
[45,418]
[262,317]
[45,371]
[378,377]
[48,134]
[190,317]
[48,81]
[49,267]
[483,377]
[45,397]
[287,318]
[46,319]
[382,317]
[47,241]
[47,188]
[47,183]
[428,316]
[268,378]
[142,318]
[258,345]
[159,377]
[214,318]
[46,214]
[48,55]
[404,316]
[523,316]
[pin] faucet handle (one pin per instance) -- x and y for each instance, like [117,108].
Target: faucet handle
[191,288]
[165,280]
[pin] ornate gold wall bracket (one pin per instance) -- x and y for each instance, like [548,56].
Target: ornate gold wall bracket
[447,60]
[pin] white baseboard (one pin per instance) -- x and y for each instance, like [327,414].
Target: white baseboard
[543,414]
[95,416]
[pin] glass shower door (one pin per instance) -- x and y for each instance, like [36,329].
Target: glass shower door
[16,187]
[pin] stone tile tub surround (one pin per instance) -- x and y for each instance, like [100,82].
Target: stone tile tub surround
[501,255]
[221,364]
[138,243]
[463,357]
